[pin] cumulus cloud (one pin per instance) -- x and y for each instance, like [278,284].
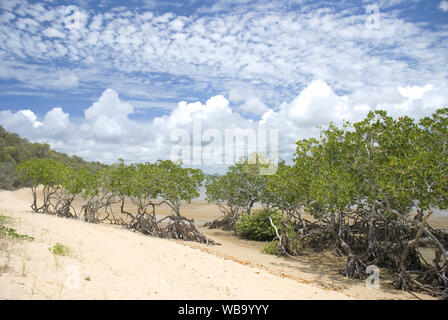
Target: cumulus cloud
[316,104]
[107,118]
[249,101]
[107,133]
[31,117]
[443,6]
[19,121]
[415,92]
[109,105]
[56,122]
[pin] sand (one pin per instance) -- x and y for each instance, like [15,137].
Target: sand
[108,262]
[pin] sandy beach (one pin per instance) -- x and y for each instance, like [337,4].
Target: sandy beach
[109,262]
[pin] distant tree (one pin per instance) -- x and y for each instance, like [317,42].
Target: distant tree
[98,196]
[45,172]
[176,185]
[73,183]
[142,190]
[238,190]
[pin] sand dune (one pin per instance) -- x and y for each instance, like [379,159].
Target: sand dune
[108,262]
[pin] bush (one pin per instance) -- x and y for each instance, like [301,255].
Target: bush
[271,248]
[10,232]
[256,226]
[59,249]
[293,246]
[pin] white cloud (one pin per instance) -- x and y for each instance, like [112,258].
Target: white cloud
[274,51]
[215,113]
[107,119]
[178,23]
[251,102]
[317,104]
[56,122]
[109,105]
[106,132]
[31,117]
[53,33]
[415,92]
[443,6]
[38,76]
[253,105]
[65,80]
[20,121]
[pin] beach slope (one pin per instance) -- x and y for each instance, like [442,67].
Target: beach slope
[108,262]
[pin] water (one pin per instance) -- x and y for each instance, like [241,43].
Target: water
[439,213]
[436,212]
[201,194]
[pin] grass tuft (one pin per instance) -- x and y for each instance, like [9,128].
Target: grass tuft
[59,249]
[10,232]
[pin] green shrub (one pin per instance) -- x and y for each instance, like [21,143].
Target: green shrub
[59,249]
[10,232]
[293,247]
[271,248]
[256,226]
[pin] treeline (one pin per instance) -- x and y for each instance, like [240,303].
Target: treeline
[369,187]
[104,193]
[14,150]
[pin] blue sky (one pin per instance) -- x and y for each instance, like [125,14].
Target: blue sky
[287,65]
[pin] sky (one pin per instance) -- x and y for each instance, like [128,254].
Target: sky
[120,79]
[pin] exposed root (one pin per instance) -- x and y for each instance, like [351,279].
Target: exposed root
[226,223]
[145,223]
[355,268]
[182,228]
[91,212]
